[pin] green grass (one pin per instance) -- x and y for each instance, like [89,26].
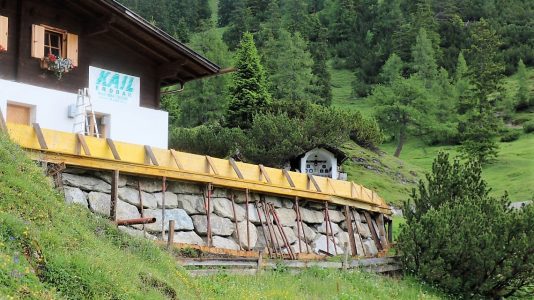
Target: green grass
[50,250]
[316,283]
[513,171]
[392,178]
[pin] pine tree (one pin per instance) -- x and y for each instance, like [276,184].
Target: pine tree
[321,83]
[289,66]
[461,84]
[424,61]
[522,95]
[204,101]
[242,20]
[391,70]
[225,10]
[479,128]
[249,94]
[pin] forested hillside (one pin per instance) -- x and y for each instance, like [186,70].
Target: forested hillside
[400,75]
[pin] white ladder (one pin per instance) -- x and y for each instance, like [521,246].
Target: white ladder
[84,111]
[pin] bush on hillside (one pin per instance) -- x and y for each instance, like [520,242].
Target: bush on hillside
[528,127]
[213,140]
[469,243]
[510,136]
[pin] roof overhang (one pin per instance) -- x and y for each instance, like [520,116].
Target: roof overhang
[176,63]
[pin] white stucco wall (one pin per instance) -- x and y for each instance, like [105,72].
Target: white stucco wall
[128,123]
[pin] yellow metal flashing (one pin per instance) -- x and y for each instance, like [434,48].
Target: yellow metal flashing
[62,147]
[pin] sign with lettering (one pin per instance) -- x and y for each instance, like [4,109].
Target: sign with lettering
[112,86]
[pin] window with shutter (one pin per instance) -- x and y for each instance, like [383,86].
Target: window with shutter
[4,31]
[48,40]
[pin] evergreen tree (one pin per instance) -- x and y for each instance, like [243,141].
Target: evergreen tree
[479,128]
[270,29]
[461,84]
[242,20]
[321,83]
[289,66]
[404,108]
[460,238]
[523,94]
[225,10]
[249,94]
[204,101]
[391,70]
[296,17]
[424,62]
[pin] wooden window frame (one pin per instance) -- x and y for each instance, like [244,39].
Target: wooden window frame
[63,40]
[69,42]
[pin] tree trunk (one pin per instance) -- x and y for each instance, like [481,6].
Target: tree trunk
[400,143]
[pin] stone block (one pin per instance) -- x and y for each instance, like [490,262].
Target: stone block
[192,204]
[286,216]
[307,231]
[106,176]
[75,195]
[223,208]
[311,216]
[242,239]
[219,226]
[99,203]
[182,220]
[179,187]
[188,237]
[86,183]
[131,195]
[171,200]
[336,216]
[320,245]
[220,242]
[335,228]
[370,247]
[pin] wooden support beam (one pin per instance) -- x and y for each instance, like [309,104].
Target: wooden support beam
[170,237]
[149,156]
[211,165]
[163,191]
[40,136]
[374,234]
[382,230]
[263,173]
[314,182]
[113,149]
[288,178]
[236,168]
[81,144]
[176,160]
[114,195]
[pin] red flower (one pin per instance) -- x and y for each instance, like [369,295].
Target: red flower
[51,57]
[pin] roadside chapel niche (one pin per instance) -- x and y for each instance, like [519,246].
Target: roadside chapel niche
[322,162]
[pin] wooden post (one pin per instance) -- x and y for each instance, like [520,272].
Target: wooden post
[299,220]
[346,258]
[357,231]
[260,262]
[114,195]
[3,126]
[170,237]
[390,231]
[40,136]
[163,189]
[348,220]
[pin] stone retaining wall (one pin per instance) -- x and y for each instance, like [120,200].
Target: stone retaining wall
[184,203]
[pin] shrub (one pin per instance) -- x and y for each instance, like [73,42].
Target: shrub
[510,136]
[212,140]
[528,127]
[465,241]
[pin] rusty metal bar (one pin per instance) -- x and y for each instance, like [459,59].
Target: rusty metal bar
[170,237]
[247,218]
[263,228]
[136,221]
[282,233]
[358,231]
[142,208]
[235,222]
[163,190]
[299,226]
[114,195]
[299,216]
[270,225]
[208,209]
[329,224]
[348,221]
[372,229]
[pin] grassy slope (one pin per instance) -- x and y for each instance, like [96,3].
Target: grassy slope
[513,171]
[50,250]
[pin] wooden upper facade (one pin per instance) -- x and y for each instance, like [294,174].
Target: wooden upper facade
[99,33]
